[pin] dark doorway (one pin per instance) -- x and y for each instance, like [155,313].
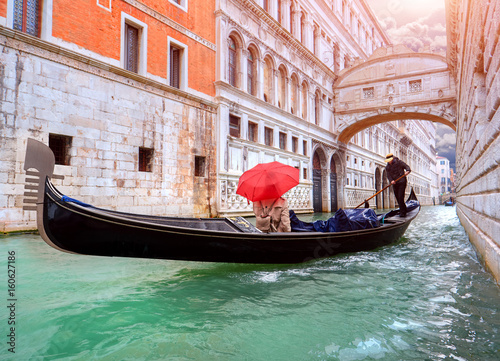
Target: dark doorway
[333,186]
[317,186]
[317,190]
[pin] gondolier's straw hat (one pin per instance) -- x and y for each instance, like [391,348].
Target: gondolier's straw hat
[389,157]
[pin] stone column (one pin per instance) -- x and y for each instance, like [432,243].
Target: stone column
[310,107]
[296,21]
[274,87]
[260,77]
[243,66]
[317,41]
[286,94]
[309,35]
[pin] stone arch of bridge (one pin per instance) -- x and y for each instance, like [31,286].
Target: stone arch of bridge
[395,83]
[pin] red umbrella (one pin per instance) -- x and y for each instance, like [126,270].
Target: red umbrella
[267,181]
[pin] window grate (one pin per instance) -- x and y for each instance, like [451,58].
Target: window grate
[415,86]
[27,16]
[175,67]
[368,93]
[131,48]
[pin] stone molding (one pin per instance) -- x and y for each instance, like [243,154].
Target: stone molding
[32,45]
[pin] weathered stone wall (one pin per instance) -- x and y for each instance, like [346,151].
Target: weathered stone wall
[109,113]
[474,52]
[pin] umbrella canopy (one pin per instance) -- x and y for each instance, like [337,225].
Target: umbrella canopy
[267,180]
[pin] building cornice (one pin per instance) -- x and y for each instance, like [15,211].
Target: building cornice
[32,45]
[281,32]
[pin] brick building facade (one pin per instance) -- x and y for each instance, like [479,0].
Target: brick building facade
[120,86]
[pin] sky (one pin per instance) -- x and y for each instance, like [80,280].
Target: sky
[419,24]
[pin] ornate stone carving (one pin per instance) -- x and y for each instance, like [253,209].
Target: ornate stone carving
[262,33]
[279,46]
[244,19]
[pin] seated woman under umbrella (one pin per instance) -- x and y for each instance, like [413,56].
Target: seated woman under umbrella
[264,185]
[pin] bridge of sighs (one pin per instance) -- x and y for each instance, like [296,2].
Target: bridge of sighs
[393,84]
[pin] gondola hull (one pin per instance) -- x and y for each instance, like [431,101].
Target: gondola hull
[82,229]
[88,231]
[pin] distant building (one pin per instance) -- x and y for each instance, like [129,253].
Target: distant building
[443,167]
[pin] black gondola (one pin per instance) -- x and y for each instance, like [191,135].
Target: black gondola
[74,227]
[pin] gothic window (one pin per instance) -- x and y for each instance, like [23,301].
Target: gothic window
[268,81]
[232,62]
[27,15]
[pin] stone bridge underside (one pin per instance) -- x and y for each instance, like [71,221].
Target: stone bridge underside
[394,84]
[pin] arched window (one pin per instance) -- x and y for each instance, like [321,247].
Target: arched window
[232,62]
[251,73]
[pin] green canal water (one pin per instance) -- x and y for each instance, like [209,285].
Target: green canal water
[424,298]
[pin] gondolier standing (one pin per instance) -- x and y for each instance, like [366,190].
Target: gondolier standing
[396,168]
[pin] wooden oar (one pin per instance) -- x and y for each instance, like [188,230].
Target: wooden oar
[365,202]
